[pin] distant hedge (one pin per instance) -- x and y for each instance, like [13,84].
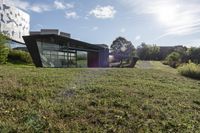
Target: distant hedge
[18,56]
[190,70]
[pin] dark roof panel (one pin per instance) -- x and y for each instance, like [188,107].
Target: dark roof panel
[72,42]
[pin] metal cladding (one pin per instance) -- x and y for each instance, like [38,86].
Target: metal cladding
[14,23]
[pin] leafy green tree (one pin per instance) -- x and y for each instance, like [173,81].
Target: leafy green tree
[184,55]
[173,59]
[148,52]
[3,49]
[143,51]
[122,49]
[154,52]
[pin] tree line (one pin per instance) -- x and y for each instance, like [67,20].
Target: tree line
[174,56]
[123,49]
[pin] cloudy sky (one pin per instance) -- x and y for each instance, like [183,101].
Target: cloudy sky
[161,22]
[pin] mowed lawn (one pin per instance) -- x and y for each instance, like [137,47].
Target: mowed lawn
[98,100]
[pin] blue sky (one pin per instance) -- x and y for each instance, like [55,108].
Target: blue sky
[161,22]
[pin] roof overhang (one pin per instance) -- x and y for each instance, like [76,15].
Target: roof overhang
[66,41]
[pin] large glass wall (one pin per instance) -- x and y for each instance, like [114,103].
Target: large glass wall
[82,59]
[54,55]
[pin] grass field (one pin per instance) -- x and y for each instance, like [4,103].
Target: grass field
[156,99]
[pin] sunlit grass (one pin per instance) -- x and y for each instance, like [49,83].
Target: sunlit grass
[97,100]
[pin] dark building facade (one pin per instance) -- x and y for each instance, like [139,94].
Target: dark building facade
[51,48]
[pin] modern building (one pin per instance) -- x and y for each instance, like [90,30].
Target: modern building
[14,22]
[51,48]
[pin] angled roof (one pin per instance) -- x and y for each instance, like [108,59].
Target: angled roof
[66,41]
[63,38]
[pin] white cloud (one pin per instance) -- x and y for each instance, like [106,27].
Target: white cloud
[71,15]
[59,5]
[62,5]
[178,17]
[68,5]
[39,8]
[18,3]
[95,28]
[122,30]
[103,12]
[137,38]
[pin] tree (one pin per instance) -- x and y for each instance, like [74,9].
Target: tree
[142,51]
[154,52]
[173,59]
[148,52]
[3,49]
[122,49]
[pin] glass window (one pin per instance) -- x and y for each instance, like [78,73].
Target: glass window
[46,52]
[52,47]
[54,55]
[48,56]
[61,53]
[61,57]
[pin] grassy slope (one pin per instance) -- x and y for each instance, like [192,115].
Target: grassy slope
[115,100]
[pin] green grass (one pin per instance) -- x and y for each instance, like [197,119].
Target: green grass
[158,65]
[190,70]
[155,65]
[97,100]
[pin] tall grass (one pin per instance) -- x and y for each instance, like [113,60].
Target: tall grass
[190,70]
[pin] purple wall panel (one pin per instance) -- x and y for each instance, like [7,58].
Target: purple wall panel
[98,59]
[93,59]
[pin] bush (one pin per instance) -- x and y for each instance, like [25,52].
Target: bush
[194,55]
[190,70]
[18,56]
[173,59]
[3,54]
[3,49]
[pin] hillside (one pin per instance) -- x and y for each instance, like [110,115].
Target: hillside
[152,99]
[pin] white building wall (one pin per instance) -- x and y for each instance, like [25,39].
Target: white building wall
[13,22]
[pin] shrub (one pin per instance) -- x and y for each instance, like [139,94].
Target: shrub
[173,59]
[3,53]
[18,56]
[194,55]
[190,70]
[3,49]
